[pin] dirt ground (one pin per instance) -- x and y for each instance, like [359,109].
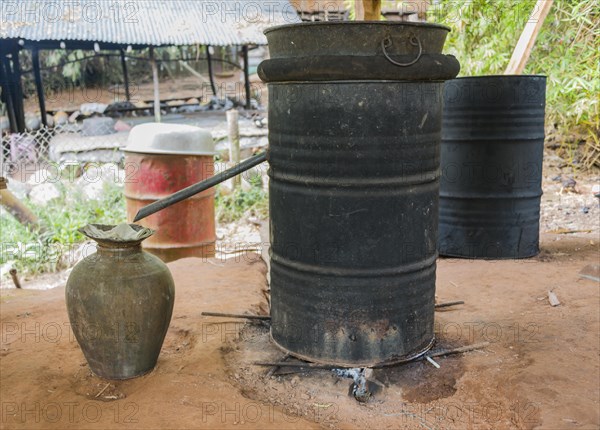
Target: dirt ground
[541,369]
[569,204]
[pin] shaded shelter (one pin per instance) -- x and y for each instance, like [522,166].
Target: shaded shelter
[123,26]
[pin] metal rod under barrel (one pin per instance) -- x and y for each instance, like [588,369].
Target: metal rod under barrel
[199,187]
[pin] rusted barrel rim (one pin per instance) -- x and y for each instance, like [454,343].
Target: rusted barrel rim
[391,362]
[348,23]
[430,67]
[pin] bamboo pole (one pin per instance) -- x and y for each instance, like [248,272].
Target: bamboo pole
[528,36]
[368,10]
[18,209]
[233,130]
[187,67]
[155,82]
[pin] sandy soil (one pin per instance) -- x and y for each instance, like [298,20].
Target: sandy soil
[541,369]
[45,377]
[568,203]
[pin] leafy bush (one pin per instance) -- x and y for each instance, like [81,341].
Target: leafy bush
[40,251]
[484,35]
[34,252]
[567,50]
[233,206]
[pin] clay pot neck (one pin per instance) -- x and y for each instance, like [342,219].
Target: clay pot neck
[120,249]
[112,239]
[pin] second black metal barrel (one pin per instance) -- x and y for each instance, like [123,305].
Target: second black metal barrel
[354,182]
[492,150]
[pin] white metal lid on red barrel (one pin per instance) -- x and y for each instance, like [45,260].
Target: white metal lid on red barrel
[170,139]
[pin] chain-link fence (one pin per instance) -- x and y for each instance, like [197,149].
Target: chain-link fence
[101,140]
[97,141]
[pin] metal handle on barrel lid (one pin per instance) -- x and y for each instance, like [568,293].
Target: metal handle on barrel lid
[199,187]
[414,40]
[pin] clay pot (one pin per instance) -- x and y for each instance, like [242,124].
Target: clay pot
[120,302]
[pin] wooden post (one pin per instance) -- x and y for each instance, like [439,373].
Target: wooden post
[17,209]
[367,10]
[125,75]
[233,129]
[156,89]
[246,76]
[210,70]
[39,86]
[15,277]
[527,40]
[13,90]
[7,92]
[423,5]
[18,93]
[359,10]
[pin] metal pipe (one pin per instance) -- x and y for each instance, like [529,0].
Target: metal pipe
[240,316]
[15,277]
[302,365]
[125,75]
[39,86]
[466,348]
[448,304]
[247,76]
[211,76]
[199,187]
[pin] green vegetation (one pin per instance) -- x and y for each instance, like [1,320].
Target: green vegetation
[484,35]
[567,50]
[231,207]
[234,205]
[34,252]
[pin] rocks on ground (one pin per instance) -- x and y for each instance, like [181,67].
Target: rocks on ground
[43,194]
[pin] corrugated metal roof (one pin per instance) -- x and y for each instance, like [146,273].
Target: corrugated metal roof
[316,6]
[144,22]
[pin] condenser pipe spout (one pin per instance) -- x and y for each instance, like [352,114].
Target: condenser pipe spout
[199,187]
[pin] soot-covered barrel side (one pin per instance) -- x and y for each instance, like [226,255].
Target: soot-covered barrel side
[354,137]
[492,151]
[353,204]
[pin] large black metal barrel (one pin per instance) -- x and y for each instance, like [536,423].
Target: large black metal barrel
[354,179]
[492,150]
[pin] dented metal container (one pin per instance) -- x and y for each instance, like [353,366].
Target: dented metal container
[157,167]
[354,179]
[492,151]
